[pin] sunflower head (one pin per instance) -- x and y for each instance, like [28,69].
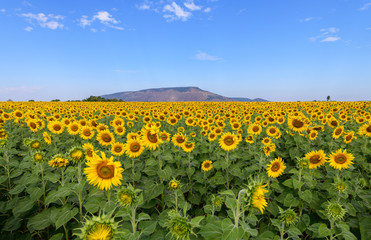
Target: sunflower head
[276,167]
[77,154]
[174,185]
[3,142]
[206,165]
[179,227]
[303,163]
[335,211]
[341,159]
[38,157]
[58,161]
[217,201]
[288,216]
[99,227]
[340,186]
[35,144]
[128,196]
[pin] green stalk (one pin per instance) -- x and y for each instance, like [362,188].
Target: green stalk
[43,183]
[133,221]
[227,173]
[282,230]
[176,201]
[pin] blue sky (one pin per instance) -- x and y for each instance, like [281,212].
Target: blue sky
[280,50]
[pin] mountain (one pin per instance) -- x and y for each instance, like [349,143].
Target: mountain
[249,100]
[175,94]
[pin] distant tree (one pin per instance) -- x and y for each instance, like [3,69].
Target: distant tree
[56,100]
[10,100]
[101,99]
[31,100]
[328,98]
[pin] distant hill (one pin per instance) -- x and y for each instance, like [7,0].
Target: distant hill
[249,100]
[175,94]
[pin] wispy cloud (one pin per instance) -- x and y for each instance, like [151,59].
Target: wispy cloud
[176,12]
[143,6]
[192,6]
[331,39]
[19,89]
[2,10]
[28,29]
[327,35]
[103,17]
[125,71]
[366,6]
[206,10]
[50,21]
[202,56]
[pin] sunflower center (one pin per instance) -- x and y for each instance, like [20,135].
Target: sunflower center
[180,139]
[89,152]
[163,137]
[368,129]
[38,157]
[348,138]
[106,138]
[120,130]
[338,132]
[152,137]
[118,149]
[228,141]
[340,159]
[74,128]
[275,167]
[297,123]
[87,132]
[134,147]
[334,123]
[272,131]
[105,171]
[33,125]
[315,159]
[255,129]
[207,165]
[126,199]
[57,127]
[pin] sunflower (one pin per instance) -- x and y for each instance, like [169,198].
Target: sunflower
[348,137]
[38,157]
[103,172]
[56,127]
[120,130]
[313,135]
[118,149]
[127,196]
[276,167]
[87,132]
[254,129]
[188,146]
[297,124]
[132,135]
[77,154]
[266,141]
[365,130]
[47,138]
[105,138]
[32,124]
[150,138]
[174,185]
[134,147]
[316,158]
[250,139]
[340,159]
[35,144]
[272,131]
[338,132]
[89,151]
[268,149]
[58,161]
[101,227]
[258,198]
[73,128]
[179,139]
[206,165]
[212,136]
[164,136]
[228,141]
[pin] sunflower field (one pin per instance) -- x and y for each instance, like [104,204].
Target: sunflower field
[185,170]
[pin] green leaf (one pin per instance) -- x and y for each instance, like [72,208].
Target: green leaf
[17,189]
[231,203]
[23,206]
[65,216]
[350,209]
[195,222]
[92,205]
[3,178]
[143,216]
[57,236]
[35,193]
[323,231]
[40,221]
[234,233]
[228,192]
[147,227]
[290,201]
[306,196]
[296,184]
[211,231]
[54,195]
[365,227]
[267,235]
[288,183]
[294,231]
[12,224]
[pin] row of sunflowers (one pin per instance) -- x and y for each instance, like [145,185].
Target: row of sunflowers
[190,170]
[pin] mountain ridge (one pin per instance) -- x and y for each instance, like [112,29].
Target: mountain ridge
[175,94]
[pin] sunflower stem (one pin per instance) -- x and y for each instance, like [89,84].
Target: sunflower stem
[176,201]
[43,182]
[282,230]
[66,231]
[132,170]
[227,173]
[62,177]
[133,221]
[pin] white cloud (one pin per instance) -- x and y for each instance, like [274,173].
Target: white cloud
[28,29]
[192,6]
[327,35]
[103,17]
[331,39]
[144,6]
[176,12]
[50,21]
[2,10]
[206,10]
[206,57]
[93,30]
[366,6]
